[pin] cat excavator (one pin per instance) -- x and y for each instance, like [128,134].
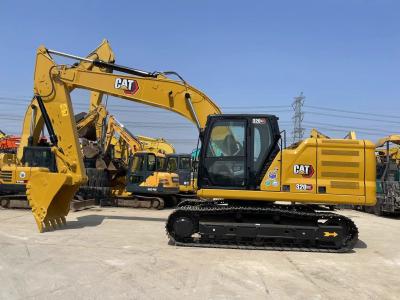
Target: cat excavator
[182,165]
[388,177]
[243,170]
[142,180]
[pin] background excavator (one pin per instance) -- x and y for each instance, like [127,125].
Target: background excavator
[182,165]
[141,179]
[387,177]
[241,163]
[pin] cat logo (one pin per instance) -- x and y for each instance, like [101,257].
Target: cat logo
[330,234]
[304,170]
[129,86]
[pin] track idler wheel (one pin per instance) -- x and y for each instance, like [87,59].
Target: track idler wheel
[157,203]
[5,203]
[183,227]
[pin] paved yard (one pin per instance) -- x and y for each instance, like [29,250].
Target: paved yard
[116,253]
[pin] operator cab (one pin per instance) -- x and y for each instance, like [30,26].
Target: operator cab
[181,164]
[147,175]
[39,156]
[237,151]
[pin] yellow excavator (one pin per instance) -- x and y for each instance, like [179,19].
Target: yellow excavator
[159,145]
[15,169]
[91,125]
[182,164]
[142,180]
[388,176]
[243,169]
[108,155]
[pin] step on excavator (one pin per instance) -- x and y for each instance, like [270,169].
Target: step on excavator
[244,173]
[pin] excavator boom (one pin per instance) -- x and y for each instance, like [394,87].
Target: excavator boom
[156,145]
[154,89]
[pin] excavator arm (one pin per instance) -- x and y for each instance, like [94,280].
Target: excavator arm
[159,145]
[113,127]
[94,119]
[49,193]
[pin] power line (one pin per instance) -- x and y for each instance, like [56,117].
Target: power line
[348,127]
[351,117]
[351,112]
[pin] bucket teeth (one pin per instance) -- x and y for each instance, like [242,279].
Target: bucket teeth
[49,196]
[52,224]
[47,224]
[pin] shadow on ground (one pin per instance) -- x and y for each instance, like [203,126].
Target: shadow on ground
[95,220]
[360,245]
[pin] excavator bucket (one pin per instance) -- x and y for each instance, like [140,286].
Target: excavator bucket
[49,196]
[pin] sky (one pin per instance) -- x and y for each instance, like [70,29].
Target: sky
[248,56]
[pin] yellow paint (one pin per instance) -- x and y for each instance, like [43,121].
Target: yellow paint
[64,110]
[345,168]
[330,234]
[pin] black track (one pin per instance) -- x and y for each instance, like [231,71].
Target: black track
[299,216]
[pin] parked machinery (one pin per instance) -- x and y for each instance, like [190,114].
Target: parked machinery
[182,164]
[241,164]
[8,143]
[140,178]
[159,145]
[388,176]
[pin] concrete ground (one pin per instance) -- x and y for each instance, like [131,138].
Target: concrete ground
[118,253]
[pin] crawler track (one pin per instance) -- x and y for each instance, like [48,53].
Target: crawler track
[272,227]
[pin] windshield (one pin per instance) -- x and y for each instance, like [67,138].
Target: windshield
[160,163]
[137,164]
[172,164]
[184,163]
[227,139]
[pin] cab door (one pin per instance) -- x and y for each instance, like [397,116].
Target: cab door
[224,154]
[141,168]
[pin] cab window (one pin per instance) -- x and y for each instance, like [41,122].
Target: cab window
[227,139]
[137,163]
[151,162]
[160,163]
[172,165]
[185,163]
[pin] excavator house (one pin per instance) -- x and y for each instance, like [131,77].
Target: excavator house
[252,193]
